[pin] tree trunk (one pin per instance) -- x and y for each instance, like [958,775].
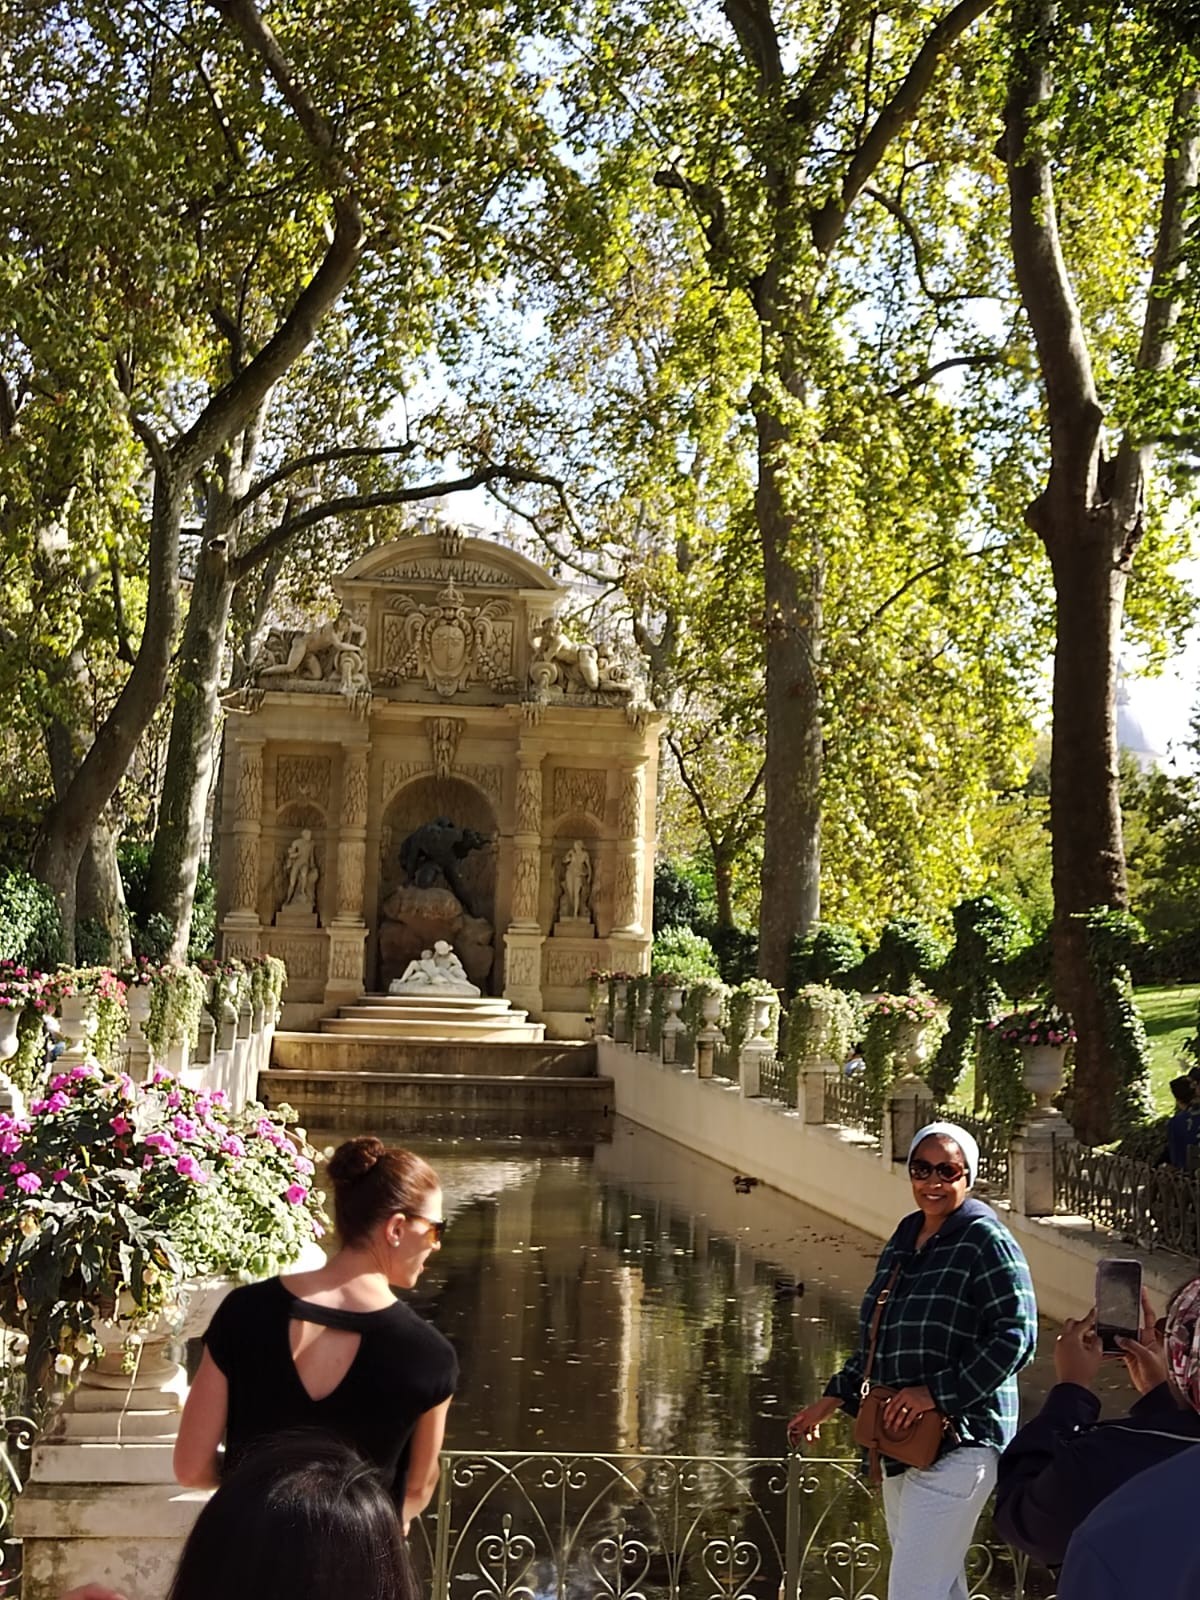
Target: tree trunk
[179,837]
[1087,847]
[72,818]
[723,887]
[791,871]
[100,895]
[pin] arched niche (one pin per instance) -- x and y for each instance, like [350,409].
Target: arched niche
[416,803]
[289,820]
[575,825]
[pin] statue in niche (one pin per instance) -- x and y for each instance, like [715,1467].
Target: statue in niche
[435,971]
[332,652]
[576,666]
[433,853]
[575,902]
[302,873]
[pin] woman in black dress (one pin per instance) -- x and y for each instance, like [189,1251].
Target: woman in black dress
[333,1349]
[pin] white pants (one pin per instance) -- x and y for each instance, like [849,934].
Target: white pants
[931,1515]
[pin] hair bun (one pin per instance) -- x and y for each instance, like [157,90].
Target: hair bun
[355,1158]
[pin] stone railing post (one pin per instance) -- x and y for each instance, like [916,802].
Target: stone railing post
[754,1053]
[908,1107]
[1031,1162]
[672,1025]
[810,1088]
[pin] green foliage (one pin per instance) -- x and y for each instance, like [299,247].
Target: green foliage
[986,931]
[821,1022]
[1112,937]
[908,953]
[680,896]
[684,955]
[26,1067]
[30,931]
[177,995]
[736,951]
[1028,974]
[893,1022]
[832,951]
[1001,1077]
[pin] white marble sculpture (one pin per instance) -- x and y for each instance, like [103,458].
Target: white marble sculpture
[575,901]
[302,873]
[331,652]
[434,973]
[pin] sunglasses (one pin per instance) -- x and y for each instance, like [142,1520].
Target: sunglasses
[436,1229]
[922,1171]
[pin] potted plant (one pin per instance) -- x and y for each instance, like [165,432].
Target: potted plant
[20,991]
[1042,1034]
[177,994]
[113,1195]
[821,1025]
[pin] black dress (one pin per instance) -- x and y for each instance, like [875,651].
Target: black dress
[403,1368]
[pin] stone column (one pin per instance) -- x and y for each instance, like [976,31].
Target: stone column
[810,1088]
[348,931]
[1031,1161]
[627,877]
[523,940]
[243,921]
[909,1106]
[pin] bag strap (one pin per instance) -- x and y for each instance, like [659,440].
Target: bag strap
[885,1295]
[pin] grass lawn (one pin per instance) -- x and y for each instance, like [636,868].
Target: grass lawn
[1170,1017]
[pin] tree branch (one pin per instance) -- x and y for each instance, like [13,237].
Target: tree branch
[318,458]
[754,25]
[347,505]
[124,648]
[827,224]
[568,558]
[981,358]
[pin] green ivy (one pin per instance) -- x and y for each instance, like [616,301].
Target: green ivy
[986,931]
[821,1021]
[176,997]
[827,955]
[885,1028]
[30,928]
[1111,937]
[1001,1071]
[25,1069]
[112,1025]
[908,953]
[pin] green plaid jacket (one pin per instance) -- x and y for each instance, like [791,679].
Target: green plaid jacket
[961,1319]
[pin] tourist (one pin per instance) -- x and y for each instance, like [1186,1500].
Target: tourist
[1183,1126]
[1064,1462]
[1140,1540]
[856,1063]
[334,1349]
[957,1322]
[302,1518]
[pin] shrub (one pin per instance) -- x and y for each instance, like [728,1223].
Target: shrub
[986,931]
[736,951]
[682,954]
[30,927]
[829,953]
[908,953]
[821,1021]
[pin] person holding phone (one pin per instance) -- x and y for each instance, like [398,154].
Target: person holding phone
[1064,1462]
[957,1323]
[1141,1539]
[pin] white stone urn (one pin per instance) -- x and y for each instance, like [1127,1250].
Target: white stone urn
[619,1017]
[77,1022]
[672,1023]
[9,1019]
[711,1001]
[763,1012]
[912,1044]
[1043,1070]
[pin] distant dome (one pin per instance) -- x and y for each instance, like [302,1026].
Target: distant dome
[1134,734]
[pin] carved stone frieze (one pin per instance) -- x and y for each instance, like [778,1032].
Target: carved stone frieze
[352,861]
[245,873]
[354,789]
[521,969]
[443,734]
[526,884]
[489,779]
[627,892]
[579,789]
[302,778]
[247,806]
[346,959]
[397,773]
[240,945]
[632,805]
[472,574]
[529,800]
[569,969]
[304,958]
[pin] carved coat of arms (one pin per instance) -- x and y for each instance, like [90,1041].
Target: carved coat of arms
[449,638]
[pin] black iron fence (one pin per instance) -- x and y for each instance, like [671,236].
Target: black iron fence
[849,1103]
[1155,1207]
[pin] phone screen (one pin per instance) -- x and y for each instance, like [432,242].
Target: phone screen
[1118,1302]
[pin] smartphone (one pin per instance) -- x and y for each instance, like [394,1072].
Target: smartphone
[1118,1303]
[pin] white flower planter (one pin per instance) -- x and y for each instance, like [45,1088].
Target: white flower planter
[912,1045]
[764,1010]
[710,1008]
[8,1033]
[1043,1070]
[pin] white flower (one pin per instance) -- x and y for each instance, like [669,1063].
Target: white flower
[29,1225]
[83,1345]
[149,1273]
[64,1365]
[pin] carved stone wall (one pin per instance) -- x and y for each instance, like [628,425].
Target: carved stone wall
[304,778]
[579,789]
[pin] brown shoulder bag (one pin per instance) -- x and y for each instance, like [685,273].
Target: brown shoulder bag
[917,1446]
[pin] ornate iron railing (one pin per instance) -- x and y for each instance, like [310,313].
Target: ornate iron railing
[777,1080]
[1155,1207]
[992,1139]
[725,1063]
[512,1525]
[848,1103]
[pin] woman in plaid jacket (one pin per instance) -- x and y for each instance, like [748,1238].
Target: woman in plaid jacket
[959,1324]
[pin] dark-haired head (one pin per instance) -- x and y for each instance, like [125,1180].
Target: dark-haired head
[372,1183]
[1184,1090]
[303,1517]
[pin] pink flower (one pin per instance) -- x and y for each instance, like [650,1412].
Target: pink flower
[37,1107]
[147,1162]
[163,1142]
[233,1146]
[303,1164]
[3,1190]
[30,1182]
[188,1167]
[160,1075]
[296,1194]
[61,1175]
[174,1100]
[10,1143]
[120,1125]
[18,1167]
[185,1128]
[78,1072]
[57,1102]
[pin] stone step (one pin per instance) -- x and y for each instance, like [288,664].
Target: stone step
[418,1010]
[76,1461]
[483,1029]
[427,1102]
[507,1057]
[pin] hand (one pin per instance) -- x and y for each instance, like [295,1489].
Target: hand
[1145,1357]
[806,1424]
[1078,1354]
[903,1409]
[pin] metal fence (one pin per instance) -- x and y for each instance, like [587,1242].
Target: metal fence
[513,1525]
[1156,1207]
[848,1102]
[778,1080]
[992,1139]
